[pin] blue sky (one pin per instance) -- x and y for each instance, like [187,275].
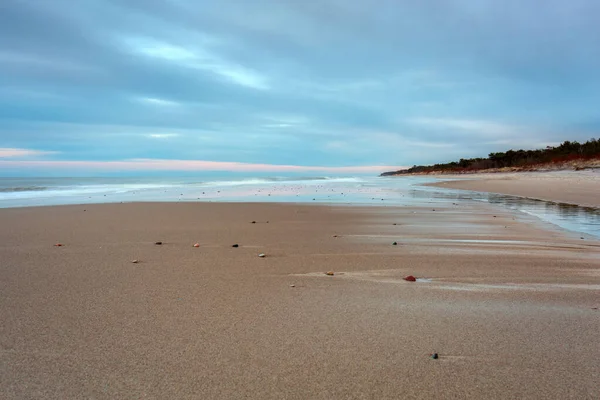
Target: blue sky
[135,85]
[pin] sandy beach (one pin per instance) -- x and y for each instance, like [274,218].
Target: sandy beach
[510,307]
[572,187]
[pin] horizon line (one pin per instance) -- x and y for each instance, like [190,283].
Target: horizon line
[148,164]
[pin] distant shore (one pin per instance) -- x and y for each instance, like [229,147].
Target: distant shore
[580,188]
[579,165]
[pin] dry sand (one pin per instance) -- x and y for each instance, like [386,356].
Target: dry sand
[508,306]
[581,187]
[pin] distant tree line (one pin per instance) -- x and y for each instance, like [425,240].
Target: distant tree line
[567,151]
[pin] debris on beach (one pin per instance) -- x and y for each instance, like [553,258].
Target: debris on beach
[395,244]
[410,278]
[235,245]
[435,356]
[197,245]
[330,273]
[158,243]
[262,255]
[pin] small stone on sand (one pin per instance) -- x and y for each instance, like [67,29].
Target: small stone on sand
[58,245]
[435,356]
[158,243]
[330,273]
[253,222]
[197,245]
[292,285]
[395,244]
[135,261]
[262,255]
[235,245]
[410,278]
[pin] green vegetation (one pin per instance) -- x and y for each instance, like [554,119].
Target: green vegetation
[567,151]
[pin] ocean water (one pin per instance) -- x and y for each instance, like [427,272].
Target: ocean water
[357,190]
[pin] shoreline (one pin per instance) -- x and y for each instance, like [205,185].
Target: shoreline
[580,189]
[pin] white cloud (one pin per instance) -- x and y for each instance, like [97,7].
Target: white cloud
[166,51]
[158,102]
[162,135]
[7,152]
[200,58]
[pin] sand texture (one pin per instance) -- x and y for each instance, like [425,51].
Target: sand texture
[510,307]
[580,188]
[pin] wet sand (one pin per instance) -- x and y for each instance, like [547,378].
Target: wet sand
[572,187]
[507,304]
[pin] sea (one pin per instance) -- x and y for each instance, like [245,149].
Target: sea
[340,190]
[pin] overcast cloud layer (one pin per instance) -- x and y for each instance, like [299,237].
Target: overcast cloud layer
[330,83]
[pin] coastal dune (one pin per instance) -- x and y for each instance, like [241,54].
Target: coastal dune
[509,306]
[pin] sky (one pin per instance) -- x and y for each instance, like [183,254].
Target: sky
[327,86]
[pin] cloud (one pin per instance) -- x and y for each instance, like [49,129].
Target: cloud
[162,135]
[21,59]
[477,126]
[201,58]
[263,83]
[189,165]
[158,102]
[22,153]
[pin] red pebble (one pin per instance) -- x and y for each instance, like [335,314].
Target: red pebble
[58,244]
[410,278]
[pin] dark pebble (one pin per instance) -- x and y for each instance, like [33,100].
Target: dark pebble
[395,244]
[235,245]
[158,243]
[435,356]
